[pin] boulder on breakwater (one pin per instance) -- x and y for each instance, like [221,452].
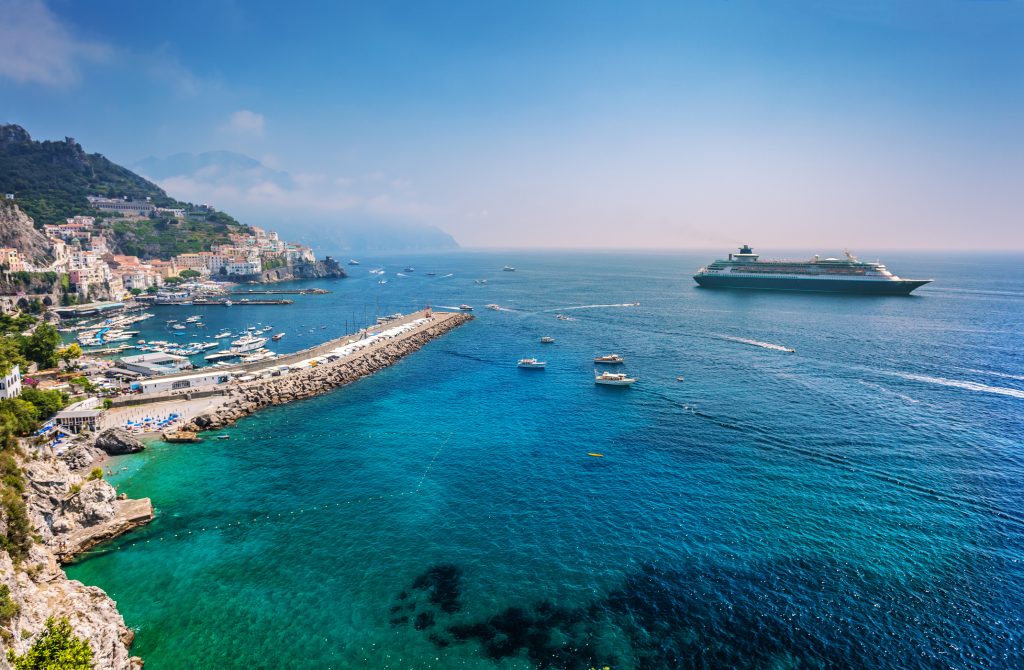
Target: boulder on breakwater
[117,441]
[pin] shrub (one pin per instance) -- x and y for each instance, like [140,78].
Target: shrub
[8,608]
[56,648]
[95,473]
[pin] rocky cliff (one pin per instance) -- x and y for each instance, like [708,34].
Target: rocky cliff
[325,268]
[68,510]
[17,230]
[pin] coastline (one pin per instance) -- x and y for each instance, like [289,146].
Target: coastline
[72,513]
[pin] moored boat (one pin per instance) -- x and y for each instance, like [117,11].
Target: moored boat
[465,308]
[493,307]
[613,379]
[277,337]
[547,339]
[531,364]
[610,359]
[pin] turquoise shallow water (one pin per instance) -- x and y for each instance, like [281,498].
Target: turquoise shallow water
[856,503]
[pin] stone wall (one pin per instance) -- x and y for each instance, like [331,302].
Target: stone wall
[248,398]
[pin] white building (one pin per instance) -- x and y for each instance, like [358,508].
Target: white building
[81,416]
[10,385]
[183,383]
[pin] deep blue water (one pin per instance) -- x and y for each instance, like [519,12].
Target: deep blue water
[858,503]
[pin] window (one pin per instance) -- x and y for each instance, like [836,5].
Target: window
[183,384]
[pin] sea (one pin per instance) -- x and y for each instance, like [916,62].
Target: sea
[857,502]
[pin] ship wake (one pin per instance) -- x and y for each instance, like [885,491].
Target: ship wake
[758,343]
[962,384]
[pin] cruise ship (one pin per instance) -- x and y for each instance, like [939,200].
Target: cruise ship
[743,270]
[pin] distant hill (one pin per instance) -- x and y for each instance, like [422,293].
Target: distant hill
[232,177]
[51,180]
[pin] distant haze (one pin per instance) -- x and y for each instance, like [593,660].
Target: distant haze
[800,124]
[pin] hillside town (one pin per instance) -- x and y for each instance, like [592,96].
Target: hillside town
[80,250]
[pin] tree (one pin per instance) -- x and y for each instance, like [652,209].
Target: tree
[69,355]
[47,402]
[190,274]
[56,648]
[41,346]
[173,280]
[151,290]
[135,291]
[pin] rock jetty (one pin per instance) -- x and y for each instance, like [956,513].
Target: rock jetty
[247,398]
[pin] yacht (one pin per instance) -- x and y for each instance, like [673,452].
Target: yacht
[247,343]
[493,307]
[465,308]
[277,337]
[610,359]
[613,379]
[508,268]
[547,339]
[353,261]
[531,364]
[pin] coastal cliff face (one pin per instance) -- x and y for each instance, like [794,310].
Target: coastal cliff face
[66,510]
[17,230]
[248,398]
[325,268]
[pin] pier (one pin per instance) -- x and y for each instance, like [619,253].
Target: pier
[298,291]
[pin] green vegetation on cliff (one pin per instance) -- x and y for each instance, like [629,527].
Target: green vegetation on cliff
[56,648]
[52,180]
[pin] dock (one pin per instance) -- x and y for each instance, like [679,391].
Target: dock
[298,291]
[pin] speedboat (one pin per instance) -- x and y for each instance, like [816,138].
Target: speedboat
[178,326]
[431,274]
[277,337]
[613,379]
[610,359]
[547,339]
[493,307]
[562,317]
[531,364]
[353,261]
[465,308]
[508,268]
[410,269]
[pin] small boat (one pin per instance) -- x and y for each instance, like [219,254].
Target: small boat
[613,379]
[227,303]
[410,269]
[508,268]
[610,359]
[353,261]
[383,281]
[465,308]
[431,274]
[223,437]
[277,337]
[547,339]
[595,454]
[493,307]
[531,364]
[178,326]
[181,436]
[562,317]
[479,281]
[680,378]
[192,319]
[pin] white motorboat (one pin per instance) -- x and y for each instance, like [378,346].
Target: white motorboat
[531,364]
[493,307]
[610,359]
[465,308]
[277,337]
[508,268]
[222,335]
[248,343]
[613,379]
[178,326]
[547,339]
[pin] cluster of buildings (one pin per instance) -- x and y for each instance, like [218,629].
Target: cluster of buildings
[80,251]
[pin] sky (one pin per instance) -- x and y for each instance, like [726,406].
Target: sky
[787,124]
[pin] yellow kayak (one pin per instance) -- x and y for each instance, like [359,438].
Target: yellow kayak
[591,453]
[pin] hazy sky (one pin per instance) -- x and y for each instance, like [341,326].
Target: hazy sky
[558,124]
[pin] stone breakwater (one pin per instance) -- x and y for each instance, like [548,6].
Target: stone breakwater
[247,398]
